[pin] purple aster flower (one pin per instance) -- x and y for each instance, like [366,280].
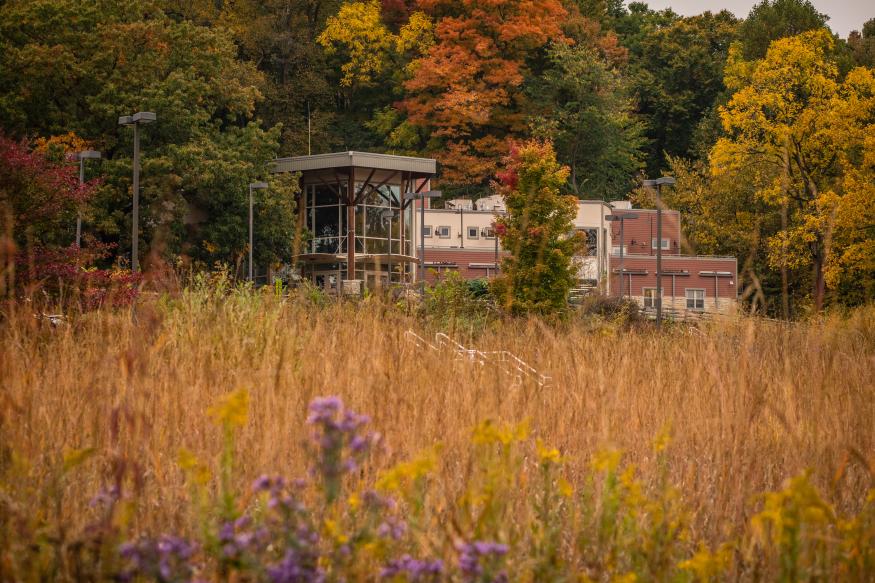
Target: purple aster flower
[474,556]
[415,570]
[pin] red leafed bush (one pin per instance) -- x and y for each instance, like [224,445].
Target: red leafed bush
[39,200]
[67,273]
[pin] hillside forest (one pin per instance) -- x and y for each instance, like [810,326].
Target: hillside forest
[767,122]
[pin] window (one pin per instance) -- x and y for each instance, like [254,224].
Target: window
[443,232]
[592,240]
[695,299]
[488,233]
[665,243]
[615,250]
[650,297]
[426,231]
[473,233]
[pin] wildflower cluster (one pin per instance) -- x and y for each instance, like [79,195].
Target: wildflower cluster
[166,558]
[340,442]
[413,570]
[481,560]
[518,517]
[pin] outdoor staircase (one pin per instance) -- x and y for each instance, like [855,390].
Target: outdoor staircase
[508,362]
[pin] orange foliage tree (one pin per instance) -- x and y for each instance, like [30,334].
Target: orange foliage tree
[466,92]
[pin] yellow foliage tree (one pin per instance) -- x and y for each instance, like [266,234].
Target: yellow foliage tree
[798,134]
[359,34]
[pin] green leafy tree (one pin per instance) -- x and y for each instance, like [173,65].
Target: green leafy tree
[862,44]
[68,66]
[677,76]
[774,19]
[587,114]
[537,230]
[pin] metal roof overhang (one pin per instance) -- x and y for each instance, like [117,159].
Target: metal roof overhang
[418,166]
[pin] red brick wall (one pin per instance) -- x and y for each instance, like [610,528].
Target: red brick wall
[726,286]
[639,233]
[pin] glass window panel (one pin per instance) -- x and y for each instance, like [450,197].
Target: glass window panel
[377,226]
[327,245]
[327,195]
[360,221]
[378,246]
[326,222]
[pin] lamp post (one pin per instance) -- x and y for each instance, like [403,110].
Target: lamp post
[622,218]
[421,196]
[658,182]
[82,156]
[252,186]
[136,120]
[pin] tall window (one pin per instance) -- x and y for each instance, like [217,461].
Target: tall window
[325,218]
[378,220]
[592,241]
[473,233]
[426,231]
[695,299]
[650,297]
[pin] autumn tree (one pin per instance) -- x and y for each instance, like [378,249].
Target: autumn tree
[467,90]
[39,197]
[538,231]
[800,135]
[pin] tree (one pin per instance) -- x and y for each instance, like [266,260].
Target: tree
[467,90]
[771,20]
[677,78]
[724,216]
[67,66]
[537,230]
[39,198]
[800,136]
[586,112]
[862,45]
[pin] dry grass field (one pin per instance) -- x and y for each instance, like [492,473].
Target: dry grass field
[742,405]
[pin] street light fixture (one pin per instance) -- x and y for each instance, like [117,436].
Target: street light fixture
[136,120]
[658,183]
[82,156]
[422,196]
[252,186]
[622,218]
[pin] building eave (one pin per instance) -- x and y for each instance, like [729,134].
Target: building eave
[419,166]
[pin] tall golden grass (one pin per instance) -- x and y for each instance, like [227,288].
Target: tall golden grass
[748,402]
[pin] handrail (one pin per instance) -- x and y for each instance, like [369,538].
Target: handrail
[512,363]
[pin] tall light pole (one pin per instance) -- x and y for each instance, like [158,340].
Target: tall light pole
[421,196]
[252,186]
[82,156]
[658,182]
[622,218]
[136,120]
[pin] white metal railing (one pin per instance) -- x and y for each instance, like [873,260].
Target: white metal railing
[509,362]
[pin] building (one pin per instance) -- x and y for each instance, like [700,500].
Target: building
[460,238]
[354,205]
[371,199]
